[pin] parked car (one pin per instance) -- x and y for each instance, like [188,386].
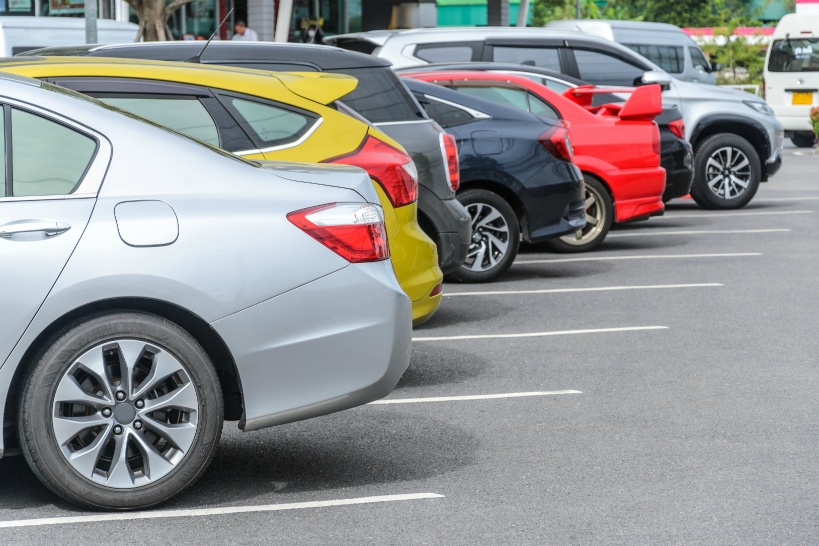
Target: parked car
[737,141]
[667,46]
[518,181]
[617,149]
[379,97]
[676,153]
[260,116]
[154,285]
[791,76]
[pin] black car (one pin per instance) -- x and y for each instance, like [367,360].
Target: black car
[676,153]
[518,181]
[380,97]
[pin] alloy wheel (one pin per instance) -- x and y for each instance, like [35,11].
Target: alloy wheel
[728,172]
[595,219]
[490,237]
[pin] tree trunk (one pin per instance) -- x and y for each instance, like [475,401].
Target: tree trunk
[153,18]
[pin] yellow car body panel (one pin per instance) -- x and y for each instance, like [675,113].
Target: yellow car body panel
[414,255]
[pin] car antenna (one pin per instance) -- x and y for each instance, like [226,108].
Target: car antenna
[198,58]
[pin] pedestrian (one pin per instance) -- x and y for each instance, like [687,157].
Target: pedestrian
[243,33]
[312,34]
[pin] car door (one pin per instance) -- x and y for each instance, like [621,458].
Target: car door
[52,170]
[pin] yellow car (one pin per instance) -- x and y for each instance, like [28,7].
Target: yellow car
[269,116]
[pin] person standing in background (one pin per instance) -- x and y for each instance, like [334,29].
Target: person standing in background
[243,33]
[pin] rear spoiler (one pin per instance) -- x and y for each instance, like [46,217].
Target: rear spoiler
[644,104]
[318,87]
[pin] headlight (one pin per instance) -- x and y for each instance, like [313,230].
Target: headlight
[761,107]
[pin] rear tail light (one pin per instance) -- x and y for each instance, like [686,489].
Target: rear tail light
[557,142]
[655,138]
[453,168]
[354,231]
[677,127]
[392,168]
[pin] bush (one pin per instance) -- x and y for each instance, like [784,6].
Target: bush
[814,120]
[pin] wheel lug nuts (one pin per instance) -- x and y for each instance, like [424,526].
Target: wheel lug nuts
[139,404]
[138,425]
[120,396]
[117,430]
[106,412]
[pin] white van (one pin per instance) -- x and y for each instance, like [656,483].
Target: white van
[19,34]
[792,74]
[664,45]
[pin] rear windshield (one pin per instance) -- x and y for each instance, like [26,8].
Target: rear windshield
[794,55]
[380,96]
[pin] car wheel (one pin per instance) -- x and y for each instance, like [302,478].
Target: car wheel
[727,172]
[495,237]
[599,217]
[803,140]
[121,411]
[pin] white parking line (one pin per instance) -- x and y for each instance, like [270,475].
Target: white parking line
[649,257]
[471,397]
[543,334]
[708,232]
[780,199]
[591,289]
[212,511]
[715,214]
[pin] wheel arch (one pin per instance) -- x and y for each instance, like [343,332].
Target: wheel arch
[506,193]
[740,126]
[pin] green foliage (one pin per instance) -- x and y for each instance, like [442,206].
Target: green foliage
[814,120]
[742,61]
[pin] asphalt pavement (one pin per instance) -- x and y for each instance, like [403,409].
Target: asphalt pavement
[661,390]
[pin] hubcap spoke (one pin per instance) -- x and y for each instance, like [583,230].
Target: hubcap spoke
[69,391]
[156,464]
[119,475]
[182,398]
[164,366]
[67,428]
[85,460]
[181,435]
[477,265]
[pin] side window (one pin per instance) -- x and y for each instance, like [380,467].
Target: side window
[544,57]
[698,59]
[184,114]
[445,114]
[47,158]
[444,53]
[604,69]
[505,96]
[669,58]
[542,108]
[381,96]
[271,125]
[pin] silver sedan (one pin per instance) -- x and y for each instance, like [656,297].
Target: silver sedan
[153,286]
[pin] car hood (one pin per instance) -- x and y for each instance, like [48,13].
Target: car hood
[689,90]
[337,176]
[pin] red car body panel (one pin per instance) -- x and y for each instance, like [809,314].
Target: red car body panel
[623,153]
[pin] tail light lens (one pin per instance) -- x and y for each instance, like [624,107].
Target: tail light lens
[655,138]
[392,168]
[354,231]
[450,150]
[677,127]
[557,142]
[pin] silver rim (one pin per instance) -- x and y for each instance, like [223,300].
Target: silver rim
[490,237]
[728,173]
[595,220]
[125,414]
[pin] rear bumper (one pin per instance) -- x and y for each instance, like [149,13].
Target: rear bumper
[308,352]
[678,161]
[449,226]
[637,192]
[556,208]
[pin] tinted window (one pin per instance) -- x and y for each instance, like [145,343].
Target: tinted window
[505,96]
[794,55]
[445,114]
[380,96]
[698,59]
[273,67]
[542,108]
[669,58]
[185,114]
[47,158]
[270,124]
[545,57]
[444,53]
[603,69]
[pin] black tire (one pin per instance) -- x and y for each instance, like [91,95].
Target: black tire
[38,409]
[479,203]
[803,140]
[600,210]
[729,153]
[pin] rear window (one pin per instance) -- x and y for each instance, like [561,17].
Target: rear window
[669,58]
[381,97]
[544,57]
[794,55]
[446,115]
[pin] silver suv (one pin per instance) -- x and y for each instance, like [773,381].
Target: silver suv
[737,141]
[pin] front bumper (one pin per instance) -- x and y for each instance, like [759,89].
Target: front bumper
[678,161]
[338,342]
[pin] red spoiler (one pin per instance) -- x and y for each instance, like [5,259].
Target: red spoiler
[645,103]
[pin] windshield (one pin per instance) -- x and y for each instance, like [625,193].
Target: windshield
[794,55]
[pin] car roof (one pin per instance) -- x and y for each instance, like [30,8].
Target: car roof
[501,67]
[325,57]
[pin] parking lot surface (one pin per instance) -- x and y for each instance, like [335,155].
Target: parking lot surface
[661,390]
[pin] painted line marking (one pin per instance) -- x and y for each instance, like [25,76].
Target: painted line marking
[766,213]
[715,232]
[649,257]
[781,199]
[471,397]
[592,289]
[543,334]
[212,511]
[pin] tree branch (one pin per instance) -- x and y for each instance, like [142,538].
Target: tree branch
[173,6]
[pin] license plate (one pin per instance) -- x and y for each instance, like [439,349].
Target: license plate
[802,97]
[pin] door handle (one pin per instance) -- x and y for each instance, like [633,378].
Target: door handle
[49,227]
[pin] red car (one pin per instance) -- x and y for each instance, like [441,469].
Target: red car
[617,146]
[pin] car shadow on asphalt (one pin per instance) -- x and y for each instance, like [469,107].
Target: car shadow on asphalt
[434,364]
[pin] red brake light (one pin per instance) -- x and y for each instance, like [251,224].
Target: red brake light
[354,231]
[557,142]
[392,168]
[677,127]
[450,151]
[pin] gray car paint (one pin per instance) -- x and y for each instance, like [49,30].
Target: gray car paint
[237,263]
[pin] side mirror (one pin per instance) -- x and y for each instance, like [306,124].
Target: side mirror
[656,76]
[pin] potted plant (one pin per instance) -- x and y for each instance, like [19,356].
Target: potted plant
[814,121]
